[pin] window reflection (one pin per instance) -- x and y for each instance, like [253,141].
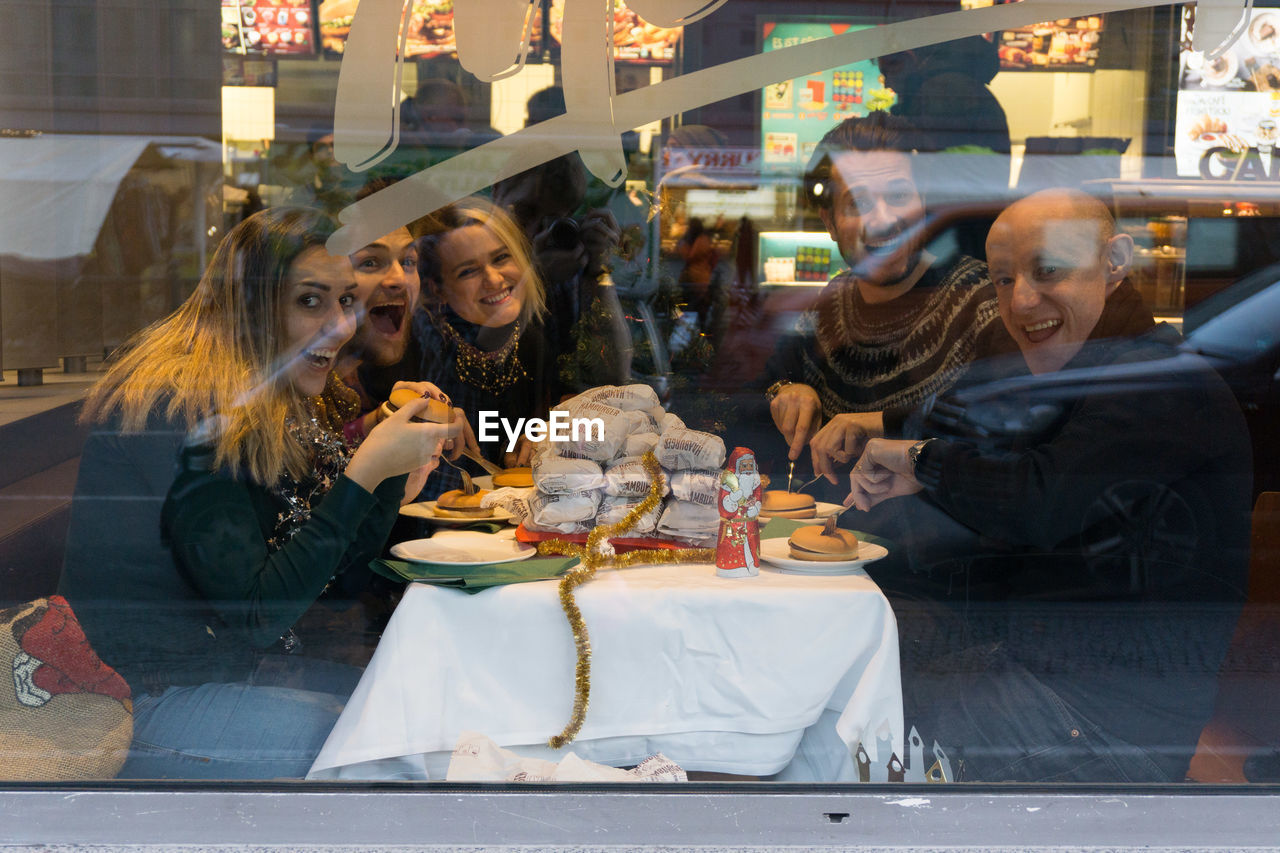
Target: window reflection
[1008,294]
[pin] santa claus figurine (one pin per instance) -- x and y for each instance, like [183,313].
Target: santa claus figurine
[738,545]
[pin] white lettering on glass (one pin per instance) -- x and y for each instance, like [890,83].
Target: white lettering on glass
[365,117]
[558,426]
[513,433]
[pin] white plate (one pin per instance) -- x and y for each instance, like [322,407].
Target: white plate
[822,510]
[778,553]
[463,548]
[427,510]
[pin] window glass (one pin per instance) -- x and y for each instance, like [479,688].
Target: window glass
[526,390]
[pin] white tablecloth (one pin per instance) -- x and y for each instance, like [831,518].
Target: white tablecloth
[718,675]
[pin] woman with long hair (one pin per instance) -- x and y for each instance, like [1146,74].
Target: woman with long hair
[481,329]
[217,501]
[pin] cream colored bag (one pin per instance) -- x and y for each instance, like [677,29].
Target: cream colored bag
[64,714]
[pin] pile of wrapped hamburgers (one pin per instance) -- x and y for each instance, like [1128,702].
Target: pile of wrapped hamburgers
[595,478]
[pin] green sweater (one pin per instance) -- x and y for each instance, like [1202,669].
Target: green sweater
[167,563]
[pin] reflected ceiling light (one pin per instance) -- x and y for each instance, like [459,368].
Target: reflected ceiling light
[248,112]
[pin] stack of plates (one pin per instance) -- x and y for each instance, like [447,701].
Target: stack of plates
[463,548]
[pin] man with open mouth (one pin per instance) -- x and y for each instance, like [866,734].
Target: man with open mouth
[895,327]
[388,286]
[387,280]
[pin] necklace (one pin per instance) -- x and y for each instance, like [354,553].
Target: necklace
[493,372]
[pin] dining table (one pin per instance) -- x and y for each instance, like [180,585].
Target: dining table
[781,675]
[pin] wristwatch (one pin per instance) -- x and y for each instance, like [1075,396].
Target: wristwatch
[915,451]
[772,390]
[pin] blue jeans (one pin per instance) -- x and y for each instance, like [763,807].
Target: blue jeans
[252,729]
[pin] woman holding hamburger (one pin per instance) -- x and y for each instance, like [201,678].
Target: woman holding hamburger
[217,502]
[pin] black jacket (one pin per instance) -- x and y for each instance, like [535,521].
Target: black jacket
[1133,459]
[1109,510]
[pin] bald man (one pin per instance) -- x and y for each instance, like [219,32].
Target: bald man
[1083,510]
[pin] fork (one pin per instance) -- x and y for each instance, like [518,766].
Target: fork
[809,483]
[468,487]
[829,525]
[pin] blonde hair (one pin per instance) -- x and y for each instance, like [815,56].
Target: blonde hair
[479,211]
[213,365]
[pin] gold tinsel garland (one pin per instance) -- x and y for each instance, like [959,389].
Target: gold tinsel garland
[599,554]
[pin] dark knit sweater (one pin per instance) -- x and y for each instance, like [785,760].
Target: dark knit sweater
[866,358]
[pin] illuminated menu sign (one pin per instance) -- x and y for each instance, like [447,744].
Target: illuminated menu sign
[634,40]
[1066,44]
[269,27]
[430,25]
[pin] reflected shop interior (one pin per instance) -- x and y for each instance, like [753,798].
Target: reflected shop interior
[673,391]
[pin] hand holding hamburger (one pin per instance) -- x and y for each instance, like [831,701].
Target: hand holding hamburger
[402,443]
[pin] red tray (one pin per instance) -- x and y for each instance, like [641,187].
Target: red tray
[621,545]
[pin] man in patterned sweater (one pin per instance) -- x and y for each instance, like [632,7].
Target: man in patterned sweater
[896,327]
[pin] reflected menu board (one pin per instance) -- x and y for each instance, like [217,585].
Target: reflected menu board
[1229,107]
[430,25]
[1067,44]
[634,40]
[795,114]
[268,27]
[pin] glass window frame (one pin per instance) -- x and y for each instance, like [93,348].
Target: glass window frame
[699,813]
[764,816]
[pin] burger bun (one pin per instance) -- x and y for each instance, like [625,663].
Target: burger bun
[459,504]
[516,478]
[780,504]
[436,412]
[814,544]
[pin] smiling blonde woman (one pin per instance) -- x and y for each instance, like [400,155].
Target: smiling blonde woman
[480,333]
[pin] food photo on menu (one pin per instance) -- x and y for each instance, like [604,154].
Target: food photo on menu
[1062,45]
[268,27]
[430,26]
[634,39]
[1228,107]
[1250,64]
